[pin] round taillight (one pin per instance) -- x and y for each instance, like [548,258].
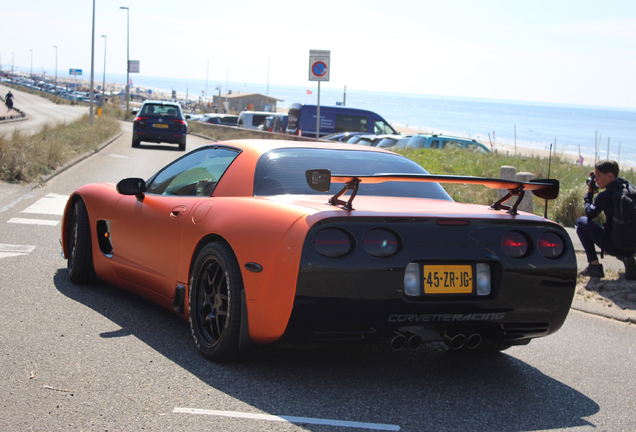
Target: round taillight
[333,242]
[515,244]
[380,243]
[551,245]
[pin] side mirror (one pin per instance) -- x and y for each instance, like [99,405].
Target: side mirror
[131,186]
[319,179]
[187,116]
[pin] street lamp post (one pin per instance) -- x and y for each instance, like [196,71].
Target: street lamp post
[31,63]
[127,59]
[104,79]
[92,93]
[12,58]
[55,46]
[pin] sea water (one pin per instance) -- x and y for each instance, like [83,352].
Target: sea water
[569,129]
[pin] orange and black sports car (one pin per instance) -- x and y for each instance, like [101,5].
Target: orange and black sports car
[270,242]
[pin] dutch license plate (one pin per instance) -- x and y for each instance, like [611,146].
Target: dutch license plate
[448,279]
[161,125]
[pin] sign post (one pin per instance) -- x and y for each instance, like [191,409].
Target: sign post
[319,68]
[74,72]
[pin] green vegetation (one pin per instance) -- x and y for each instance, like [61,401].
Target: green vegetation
[24,157]
[565,209]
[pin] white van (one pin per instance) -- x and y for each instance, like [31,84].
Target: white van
[253,119]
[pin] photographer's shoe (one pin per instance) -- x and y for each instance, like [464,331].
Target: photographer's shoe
[593,270]
[630,267]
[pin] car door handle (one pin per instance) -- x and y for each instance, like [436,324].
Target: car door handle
[177,211]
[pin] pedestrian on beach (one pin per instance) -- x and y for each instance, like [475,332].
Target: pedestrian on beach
[8,101]
[591,234]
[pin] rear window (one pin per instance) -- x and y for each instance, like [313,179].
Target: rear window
[160,109]
[282,171]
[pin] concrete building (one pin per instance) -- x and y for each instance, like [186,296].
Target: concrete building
[245,101]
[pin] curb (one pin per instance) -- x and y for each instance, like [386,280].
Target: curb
[602,311]
[13,119]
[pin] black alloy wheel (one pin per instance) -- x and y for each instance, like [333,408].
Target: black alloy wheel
[80,259]
[215,303]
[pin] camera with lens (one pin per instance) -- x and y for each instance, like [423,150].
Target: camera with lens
[591,180]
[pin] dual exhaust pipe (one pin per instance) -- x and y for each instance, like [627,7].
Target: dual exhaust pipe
[406,339]
[458,340]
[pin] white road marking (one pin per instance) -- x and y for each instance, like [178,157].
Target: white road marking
[51,204]
[7,250]
[117,156]
[33,221]
[288,419]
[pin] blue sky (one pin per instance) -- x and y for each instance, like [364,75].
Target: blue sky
[574,52]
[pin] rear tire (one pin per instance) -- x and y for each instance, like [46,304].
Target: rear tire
[182,145]
[135,143]
[215,303]
[80,260]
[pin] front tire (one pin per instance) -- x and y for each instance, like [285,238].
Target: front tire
[80,260]
[215,303]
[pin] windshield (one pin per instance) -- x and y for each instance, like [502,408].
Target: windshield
[282,171]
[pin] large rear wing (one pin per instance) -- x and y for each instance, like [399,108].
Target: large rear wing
[320,180]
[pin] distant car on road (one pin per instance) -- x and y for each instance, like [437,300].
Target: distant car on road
[160,122]
[445,142]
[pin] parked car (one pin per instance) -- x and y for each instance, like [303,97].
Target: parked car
[445,142]
[342,136]
[387,141]
[253,119]
[160,122]
[333,119]
[236,237]
[222,119]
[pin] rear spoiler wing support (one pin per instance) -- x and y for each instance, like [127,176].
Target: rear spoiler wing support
[320,180]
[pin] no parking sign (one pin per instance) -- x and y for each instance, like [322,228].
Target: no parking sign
[319,65]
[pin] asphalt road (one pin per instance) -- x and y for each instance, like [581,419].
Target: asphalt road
[39,111]
[98,358]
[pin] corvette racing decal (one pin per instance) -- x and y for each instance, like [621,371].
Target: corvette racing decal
[448,317]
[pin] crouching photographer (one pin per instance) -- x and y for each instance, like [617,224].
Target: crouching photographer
[617,235]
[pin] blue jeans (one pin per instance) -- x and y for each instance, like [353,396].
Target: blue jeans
[590,234]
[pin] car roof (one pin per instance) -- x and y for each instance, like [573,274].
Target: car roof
[446,137]
[158,102]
